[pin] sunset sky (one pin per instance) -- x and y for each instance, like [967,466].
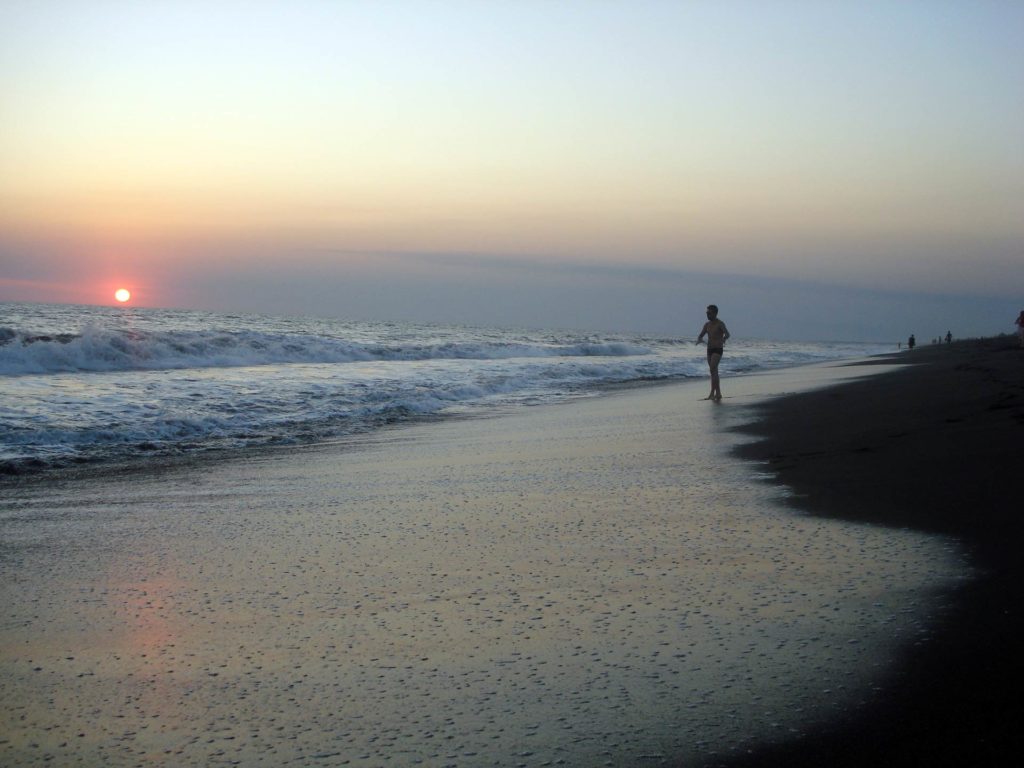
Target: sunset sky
[852,168]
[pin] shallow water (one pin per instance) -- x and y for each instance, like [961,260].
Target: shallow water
[593,583]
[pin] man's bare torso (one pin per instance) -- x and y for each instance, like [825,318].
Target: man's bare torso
[716,331]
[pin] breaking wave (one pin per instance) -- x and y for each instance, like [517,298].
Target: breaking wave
[104,349]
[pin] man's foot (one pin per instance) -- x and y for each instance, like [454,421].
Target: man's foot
[710,397]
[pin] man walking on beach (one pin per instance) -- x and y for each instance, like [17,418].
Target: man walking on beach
[717,333]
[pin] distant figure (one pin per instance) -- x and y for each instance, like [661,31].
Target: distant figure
[949,337]
[911,341]
[717,333]
[1020,327]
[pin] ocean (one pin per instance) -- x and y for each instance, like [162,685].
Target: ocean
[95,385]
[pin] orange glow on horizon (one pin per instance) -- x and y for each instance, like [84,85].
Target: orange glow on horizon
[122,295]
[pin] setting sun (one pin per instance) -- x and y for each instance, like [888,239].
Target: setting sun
[122,295]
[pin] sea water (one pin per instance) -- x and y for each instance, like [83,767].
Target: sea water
[89,384]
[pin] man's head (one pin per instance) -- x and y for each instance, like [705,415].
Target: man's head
[712,311]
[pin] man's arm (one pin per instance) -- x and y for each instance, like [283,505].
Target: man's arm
[703,332]
[726,331]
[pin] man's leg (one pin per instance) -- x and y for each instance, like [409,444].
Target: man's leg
[716,384]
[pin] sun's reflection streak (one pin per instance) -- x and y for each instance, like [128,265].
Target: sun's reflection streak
[152,636]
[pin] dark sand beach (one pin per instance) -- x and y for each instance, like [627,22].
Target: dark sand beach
[934,446]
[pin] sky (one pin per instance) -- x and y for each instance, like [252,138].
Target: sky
[822,169]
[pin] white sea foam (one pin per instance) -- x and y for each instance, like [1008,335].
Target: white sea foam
[93,384]
[104,349]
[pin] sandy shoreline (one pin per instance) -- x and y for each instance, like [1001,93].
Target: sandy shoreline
[595,583]
[934,446]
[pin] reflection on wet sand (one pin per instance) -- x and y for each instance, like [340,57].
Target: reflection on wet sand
[587,584]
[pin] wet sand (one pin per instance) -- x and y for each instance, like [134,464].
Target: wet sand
[934,446]
[593,583]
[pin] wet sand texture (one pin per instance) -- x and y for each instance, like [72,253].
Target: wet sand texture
[596,583]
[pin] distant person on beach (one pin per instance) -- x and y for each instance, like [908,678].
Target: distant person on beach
[911,341]
[1020,327]
[717,333]
[949,337]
